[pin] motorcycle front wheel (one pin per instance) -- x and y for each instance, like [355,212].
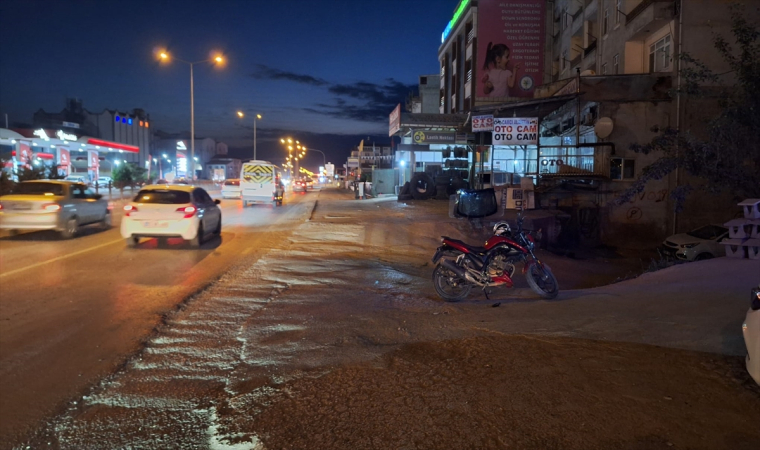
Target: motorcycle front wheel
[542,281]
[449,286]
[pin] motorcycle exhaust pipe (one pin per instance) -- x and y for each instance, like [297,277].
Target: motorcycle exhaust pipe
[460,271]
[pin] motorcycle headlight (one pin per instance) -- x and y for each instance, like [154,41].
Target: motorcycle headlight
[690,245]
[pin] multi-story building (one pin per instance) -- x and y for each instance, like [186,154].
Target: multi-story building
[597,76]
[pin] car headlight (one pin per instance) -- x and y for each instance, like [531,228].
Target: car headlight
[690,245]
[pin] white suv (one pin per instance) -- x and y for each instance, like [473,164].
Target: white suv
[171,211]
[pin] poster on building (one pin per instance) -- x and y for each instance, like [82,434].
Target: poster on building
[510,61]
[93,164]
[64,160]
[515,131]
[482,123]
[394,120]
[24,154]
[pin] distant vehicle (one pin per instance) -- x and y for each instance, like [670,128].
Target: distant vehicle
[751,331]
[260,183]
[300,185]
[78,179]
[58,205]
[180,181]
[162,181]
[102,182]
[171,211]
[309,182]
[231,188]
[696,245]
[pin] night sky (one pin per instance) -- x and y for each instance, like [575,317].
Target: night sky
[325,72]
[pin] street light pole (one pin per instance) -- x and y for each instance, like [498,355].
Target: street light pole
[191,161]
[254,136]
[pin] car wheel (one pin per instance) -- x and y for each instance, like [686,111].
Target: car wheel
[703,256]
[107,221]
[71,229]
[218,229]
[198,239]
[132,241]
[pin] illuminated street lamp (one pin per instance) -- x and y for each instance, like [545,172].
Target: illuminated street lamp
[256,118]
[217,59]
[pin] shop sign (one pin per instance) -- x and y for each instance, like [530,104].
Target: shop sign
[515,131]
[41,134]
[94,161]
[70,124]
[64,157]
[181,145]
[395,120]
[434,137]
[482,123]
[65,136]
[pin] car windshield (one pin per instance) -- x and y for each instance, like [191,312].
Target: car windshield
[162,197]
[38,189]
[232,183]
[708,232]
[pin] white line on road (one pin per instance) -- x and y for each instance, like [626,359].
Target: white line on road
[59,258]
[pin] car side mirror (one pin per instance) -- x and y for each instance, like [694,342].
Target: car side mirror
[217,201]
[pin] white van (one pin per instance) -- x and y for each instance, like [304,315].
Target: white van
[260,182]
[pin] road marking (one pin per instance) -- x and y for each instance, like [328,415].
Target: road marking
[59,258]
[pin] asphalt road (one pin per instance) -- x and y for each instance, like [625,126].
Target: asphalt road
[73,311]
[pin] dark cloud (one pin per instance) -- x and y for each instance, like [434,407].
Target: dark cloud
[369,102]
[268,73]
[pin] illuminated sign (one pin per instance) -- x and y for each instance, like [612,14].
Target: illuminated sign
[41,133]
[65,136]
[460,9]
[515,131]
[181,145]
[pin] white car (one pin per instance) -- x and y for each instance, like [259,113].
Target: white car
[751,331]
[102,182]
[695,245]
[231,188]
[163,210]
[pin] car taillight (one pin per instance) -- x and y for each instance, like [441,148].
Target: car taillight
[1,206]
[110,206]
[189,211]
[129,209]
[51,207]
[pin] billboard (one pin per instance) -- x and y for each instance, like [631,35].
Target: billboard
[24,154]
[394,120]
[510,58]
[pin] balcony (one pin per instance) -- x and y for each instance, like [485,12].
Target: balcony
[591,47]
[649,16]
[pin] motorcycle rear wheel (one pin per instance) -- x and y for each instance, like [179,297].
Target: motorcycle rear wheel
[542,280]
[449,286]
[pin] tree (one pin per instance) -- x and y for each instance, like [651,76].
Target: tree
[127,175]
[727,158]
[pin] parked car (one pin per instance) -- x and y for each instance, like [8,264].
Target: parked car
[53,205]
[231,188]
[695,245]
[751,331]
[78,179]
[169,210]
[103,182]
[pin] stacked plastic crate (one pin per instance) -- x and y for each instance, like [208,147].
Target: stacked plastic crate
[744,234]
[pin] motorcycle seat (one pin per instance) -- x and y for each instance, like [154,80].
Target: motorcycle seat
[472,248]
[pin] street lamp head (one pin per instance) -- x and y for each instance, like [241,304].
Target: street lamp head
[282,140]
[290,141]
[240,114]
[163,55]
[258,116]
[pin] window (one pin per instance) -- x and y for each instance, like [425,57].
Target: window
[564,20]
[659,55]
[604,69]
[616,64]
[564,59]
[606,21]
[162,196]
[37,188]
[622,169]
[618,13]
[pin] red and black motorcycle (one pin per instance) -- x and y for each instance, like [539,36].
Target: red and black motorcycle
[460,266]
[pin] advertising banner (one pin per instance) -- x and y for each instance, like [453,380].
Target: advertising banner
[434,137]
[93,164]
[395,120]
[515,131]
[510,60]
[64,157]
[482,123]
[24,154]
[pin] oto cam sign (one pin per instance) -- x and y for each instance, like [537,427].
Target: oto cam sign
[515,131]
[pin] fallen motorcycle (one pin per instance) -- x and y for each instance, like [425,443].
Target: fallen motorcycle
[460,266]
